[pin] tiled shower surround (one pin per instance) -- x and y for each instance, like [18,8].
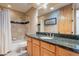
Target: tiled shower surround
[18,31]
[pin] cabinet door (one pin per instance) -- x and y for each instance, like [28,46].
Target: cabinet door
[65,20]
[60,22]
[29,46]
[48,46]
[68,19]
[36,50]
[36,41]
[45,52]
[63,52]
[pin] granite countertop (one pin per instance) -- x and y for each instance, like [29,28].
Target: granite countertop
[64,42]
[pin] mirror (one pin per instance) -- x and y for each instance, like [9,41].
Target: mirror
[64,16]
[48,18]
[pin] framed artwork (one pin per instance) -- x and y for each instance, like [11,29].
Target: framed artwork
[51,21]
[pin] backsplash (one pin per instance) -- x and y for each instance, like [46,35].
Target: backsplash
[69,36]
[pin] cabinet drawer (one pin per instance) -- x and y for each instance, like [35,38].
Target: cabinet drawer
[44,45]
[45,52]
[35,41]
[52,48]
[36,50]
[48,46]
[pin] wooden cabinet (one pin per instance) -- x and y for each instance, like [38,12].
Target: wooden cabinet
[60,22]
[52,48]
[36,41]
[64,52]
[29,46]
[44,45]
[35,47]
[47,49]
[36,50]
[65,20]
[45,52]
[48,46]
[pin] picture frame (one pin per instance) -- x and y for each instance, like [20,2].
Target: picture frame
[51,21]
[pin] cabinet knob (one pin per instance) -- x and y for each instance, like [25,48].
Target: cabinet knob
[71,20]
[71,32]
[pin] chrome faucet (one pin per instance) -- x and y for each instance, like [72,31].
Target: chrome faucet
[50,34]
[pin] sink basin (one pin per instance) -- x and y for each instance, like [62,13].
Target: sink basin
[46,38]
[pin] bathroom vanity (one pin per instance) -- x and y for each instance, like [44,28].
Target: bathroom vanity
[57,46]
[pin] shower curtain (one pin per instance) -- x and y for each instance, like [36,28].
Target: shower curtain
[5,31]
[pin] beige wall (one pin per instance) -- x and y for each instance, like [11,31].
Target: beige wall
[32,17]
[17,16]
[49,28]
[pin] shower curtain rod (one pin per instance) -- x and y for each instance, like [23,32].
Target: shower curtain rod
[20,22]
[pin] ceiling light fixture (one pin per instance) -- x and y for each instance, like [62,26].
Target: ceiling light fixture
[52,8]
[9,6]
[44,5]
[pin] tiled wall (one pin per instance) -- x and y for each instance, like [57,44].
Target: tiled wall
[32,17]
[18,30]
